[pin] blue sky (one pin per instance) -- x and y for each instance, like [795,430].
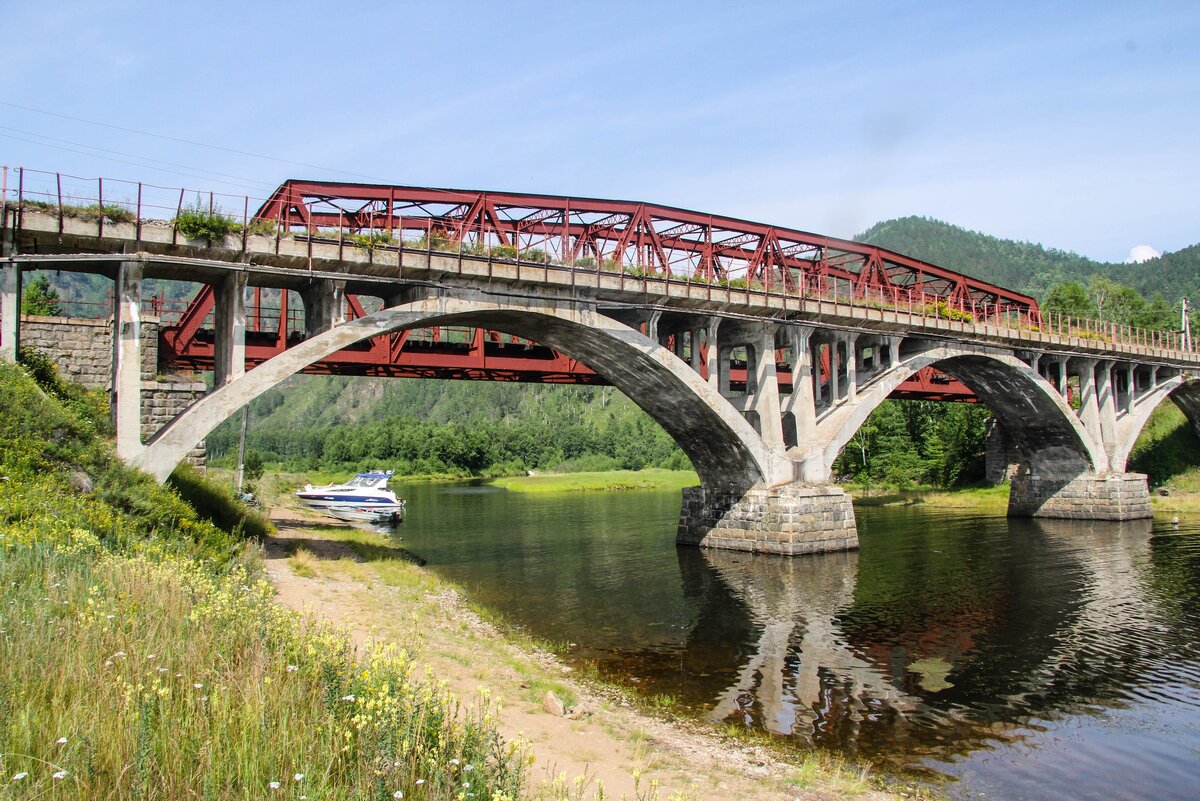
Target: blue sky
[1072,124]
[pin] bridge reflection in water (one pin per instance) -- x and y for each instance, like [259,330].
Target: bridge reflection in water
[901,654]
[1019,654]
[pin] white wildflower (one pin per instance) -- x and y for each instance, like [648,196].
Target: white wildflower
[348,697]
[292,668]
[59,776]
[198,686]
[19,776]
[298,777]
[61,741]
[398,794]
[274,785]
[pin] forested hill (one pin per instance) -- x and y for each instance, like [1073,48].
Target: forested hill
[1027,267]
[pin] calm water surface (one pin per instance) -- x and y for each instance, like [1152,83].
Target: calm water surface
[1026,659]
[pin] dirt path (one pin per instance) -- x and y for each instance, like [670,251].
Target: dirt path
[601,741]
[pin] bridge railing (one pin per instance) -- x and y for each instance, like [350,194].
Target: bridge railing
[108,202]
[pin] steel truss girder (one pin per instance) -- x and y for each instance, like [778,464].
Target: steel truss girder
[655,239]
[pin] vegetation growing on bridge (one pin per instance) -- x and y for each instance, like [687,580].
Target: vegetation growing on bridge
[144,657]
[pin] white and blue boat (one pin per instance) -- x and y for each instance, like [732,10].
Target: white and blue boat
[364,497]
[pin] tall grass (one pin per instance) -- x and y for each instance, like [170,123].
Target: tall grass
[142,656]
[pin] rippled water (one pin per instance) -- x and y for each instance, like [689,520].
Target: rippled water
[1025,658]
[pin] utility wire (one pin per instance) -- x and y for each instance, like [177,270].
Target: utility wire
[236,178]
[130,163]
[188,141]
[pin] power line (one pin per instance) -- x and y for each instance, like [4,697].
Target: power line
[187,141]
[125,161]
[236,178]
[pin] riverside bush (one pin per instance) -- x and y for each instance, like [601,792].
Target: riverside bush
[145,658]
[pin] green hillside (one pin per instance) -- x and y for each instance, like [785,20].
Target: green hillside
[462,428]
[1028,267]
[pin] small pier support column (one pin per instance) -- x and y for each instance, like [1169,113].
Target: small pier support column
[10,312]
[127,360]
[229,349]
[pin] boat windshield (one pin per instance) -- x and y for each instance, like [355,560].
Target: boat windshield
[365,480]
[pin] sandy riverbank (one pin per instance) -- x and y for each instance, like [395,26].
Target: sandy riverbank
[367,585]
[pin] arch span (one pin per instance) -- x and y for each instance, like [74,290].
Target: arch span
[1184,392]
[723,447]
[1047,431]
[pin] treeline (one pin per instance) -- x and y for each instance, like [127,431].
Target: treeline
[1032,268]
[910,442]
[479,448]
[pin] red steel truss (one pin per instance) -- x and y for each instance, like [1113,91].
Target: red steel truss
[461,353]
[583,233]
[629,236]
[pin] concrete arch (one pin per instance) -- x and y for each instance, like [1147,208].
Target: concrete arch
[1044,427]
[1184,392]
[723,447]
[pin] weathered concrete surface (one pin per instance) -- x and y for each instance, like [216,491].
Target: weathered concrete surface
[10,312]
[1111,496]
[790,520]
[723,447]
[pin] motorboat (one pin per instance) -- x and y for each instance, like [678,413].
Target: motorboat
[380,513]
[364,497]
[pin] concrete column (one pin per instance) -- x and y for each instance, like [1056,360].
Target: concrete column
[1089,406]
[766,395]
[695,356]
[835,390]
[652,327]
[852,368]
[229,320]
[324,306]
[10,312]
[127,360]
[1131,387]
[714,354]
[801,404]
[1106,396]
[893,351]
[1062,378]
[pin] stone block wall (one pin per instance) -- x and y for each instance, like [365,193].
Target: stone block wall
[793,519]
[82,349]
[1111,496]
[1000,455]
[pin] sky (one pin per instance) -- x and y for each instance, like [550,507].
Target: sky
[1075,124]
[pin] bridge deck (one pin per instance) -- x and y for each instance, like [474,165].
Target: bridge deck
[49,241]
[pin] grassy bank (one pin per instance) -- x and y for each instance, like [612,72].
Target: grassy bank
[144,657]
[982,499]
[613,733]
[653,478]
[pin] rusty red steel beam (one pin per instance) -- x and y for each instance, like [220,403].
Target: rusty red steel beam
[630,232]
[481,356]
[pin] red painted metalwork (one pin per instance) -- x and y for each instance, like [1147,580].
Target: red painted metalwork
[472,354]
[633,236]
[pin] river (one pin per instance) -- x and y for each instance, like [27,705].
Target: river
[1018,659]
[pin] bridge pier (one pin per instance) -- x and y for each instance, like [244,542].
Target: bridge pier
[10,312]
[790,520]
[1092,496]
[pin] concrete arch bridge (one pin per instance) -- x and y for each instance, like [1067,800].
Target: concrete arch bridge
[761,350]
